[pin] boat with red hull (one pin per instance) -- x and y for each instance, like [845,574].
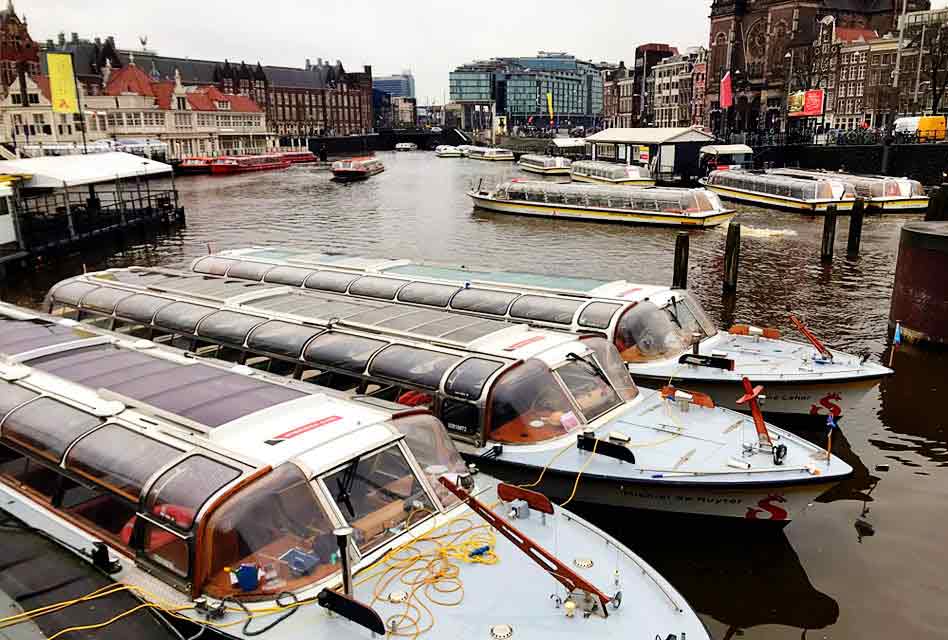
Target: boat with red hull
[242,164]
[350,169]
[194,165]
[299,157]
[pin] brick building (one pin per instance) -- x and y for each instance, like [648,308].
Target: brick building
[19,55]
[636,90]
[752,40]
[317,99]
[673,82]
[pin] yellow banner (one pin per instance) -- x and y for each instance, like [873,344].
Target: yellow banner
[549,104]
[62,83]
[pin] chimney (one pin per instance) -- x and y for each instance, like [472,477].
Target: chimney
[98,41]
[75,38]
[319,62]
[309,65]
[49,43]
[61,39]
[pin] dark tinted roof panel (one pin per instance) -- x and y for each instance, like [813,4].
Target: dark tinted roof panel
[483,301]
[468,379]
[140,307]
[249,270]
[433,295]
[417,366]
[290,276]
[104,299]
[329,281]
[71,292]
[375,287]
[545,309]
[181,317]
[598,315]
[281,338]
[228,326]
[12,396]
[20,336]
[47,426]
[213,266]
[350,353]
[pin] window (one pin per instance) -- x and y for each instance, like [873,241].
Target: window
[47,427]
[34,98]
[433,450]
[379,496]
[182,103]
[17,99]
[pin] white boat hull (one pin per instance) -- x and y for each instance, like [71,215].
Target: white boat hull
[550,171]
[631,182]
[777,202]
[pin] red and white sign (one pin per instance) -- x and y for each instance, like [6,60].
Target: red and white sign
[306,428]
[523,343]
[806,103]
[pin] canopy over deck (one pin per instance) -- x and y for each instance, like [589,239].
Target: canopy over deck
[52,172]
[569,143]
[650,135]
[719,149]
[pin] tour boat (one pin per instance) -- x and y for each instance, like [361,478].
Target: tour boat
[194,165]
[465,149]
[242,164]
[665,206]
[662,333]
[299,157]
[490,153]
[242,504]
[781,192]
[544,165]
[882,193]
[447,151]
[611,173]
[350,169]
[406,146]
[519,400]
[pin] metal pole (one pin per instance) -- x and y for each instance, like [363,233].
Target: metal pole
[342,539]
[82,116]
[918,70]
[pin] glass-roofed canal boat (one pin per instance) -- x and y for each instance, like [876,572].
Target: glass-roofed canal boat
[447,151]
[600,172]
[881,193]
[518,400]
[352,169]
[600,203]
[794,193]
[490,153]
[251,504]
[544,165]
[663,334]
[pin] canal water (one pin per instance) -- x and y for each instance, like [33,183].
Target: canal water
[867,560]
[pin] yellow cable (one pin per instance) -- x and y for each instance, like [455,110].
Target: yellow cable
[580,473]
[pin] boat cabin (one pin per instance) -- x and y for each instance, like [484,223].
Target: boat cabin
[653,199]
[869,187]
[644,322]
[544,164]
[488,380]
[572,148]
[610,173]
[490,153]
[725,156]
[789,189]
[193,468]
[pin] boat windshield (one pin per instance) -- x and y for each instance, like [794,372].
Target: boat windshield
[380,496]
[528,405]
[589,385]
[646,332]
[433,449]
[275,523]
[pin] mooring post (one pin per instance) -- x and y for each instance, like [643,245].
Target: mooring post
[732,255]
[680,277]
[855,227]
[829,234]
[936,204]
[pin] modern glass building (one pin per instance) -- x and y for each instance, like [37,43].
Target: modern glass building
[398,86]
[518,88]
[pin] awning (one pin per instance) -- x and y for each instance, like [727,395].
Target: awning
[650,135]
[719,149]
[568,143]
[54,172]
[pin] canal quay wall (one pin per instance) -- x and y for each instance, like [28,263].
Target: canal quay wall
[926,163]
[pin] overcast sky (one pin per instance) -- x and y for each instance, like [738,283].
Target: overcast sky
[430,38]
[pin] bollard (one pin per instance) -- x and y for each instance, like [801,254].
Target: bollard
[936,204]
[855,227]
[829,234]
[732,255]
[920,292]
[680,277]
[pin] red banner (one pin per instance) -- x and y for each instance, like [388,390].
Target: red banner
[805,103]
[727,94]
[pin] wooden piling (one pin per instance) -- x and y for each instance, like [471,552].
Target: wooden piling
[732,255]
[855,227]
[680,277]
[829,234]
[936,204]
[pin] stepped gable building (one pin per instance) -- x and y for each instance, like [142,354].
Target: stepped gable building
[318,99]
[19,55]
[751,38]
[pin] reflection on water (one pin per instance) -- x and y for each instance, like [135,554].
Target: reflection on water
[826,571]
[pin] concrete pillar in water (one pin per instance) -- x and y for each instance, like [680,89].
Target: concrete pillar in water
[920,294]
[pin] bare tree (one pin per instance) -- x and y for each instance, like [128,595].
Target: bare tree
[935,64]
[813,64]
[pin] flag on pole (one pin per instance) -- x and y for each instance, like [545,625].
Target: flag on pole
[62,83]
[727,93]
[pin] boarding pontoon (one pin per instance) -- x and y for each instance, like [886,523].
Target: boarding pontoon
[517,399]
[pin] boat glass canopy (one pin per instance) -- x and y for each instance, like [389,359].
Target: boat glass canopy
[796,188]
[608,197]
[610,170]
[647,332]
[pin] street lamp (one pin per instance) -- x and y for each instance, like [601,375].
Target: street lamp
[786,119]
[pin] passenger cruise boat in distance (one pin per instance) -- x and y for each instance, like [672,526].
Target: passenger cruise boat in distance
[664,206]
[490,153]
[406,146]
[611,173]
[520,401]
[447,151]
[881,193]
[781,192]
[465,149]
[247,505]
[242,164]
[662,334]
[194,165]
[544,165]
[350,169]
[299,157]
